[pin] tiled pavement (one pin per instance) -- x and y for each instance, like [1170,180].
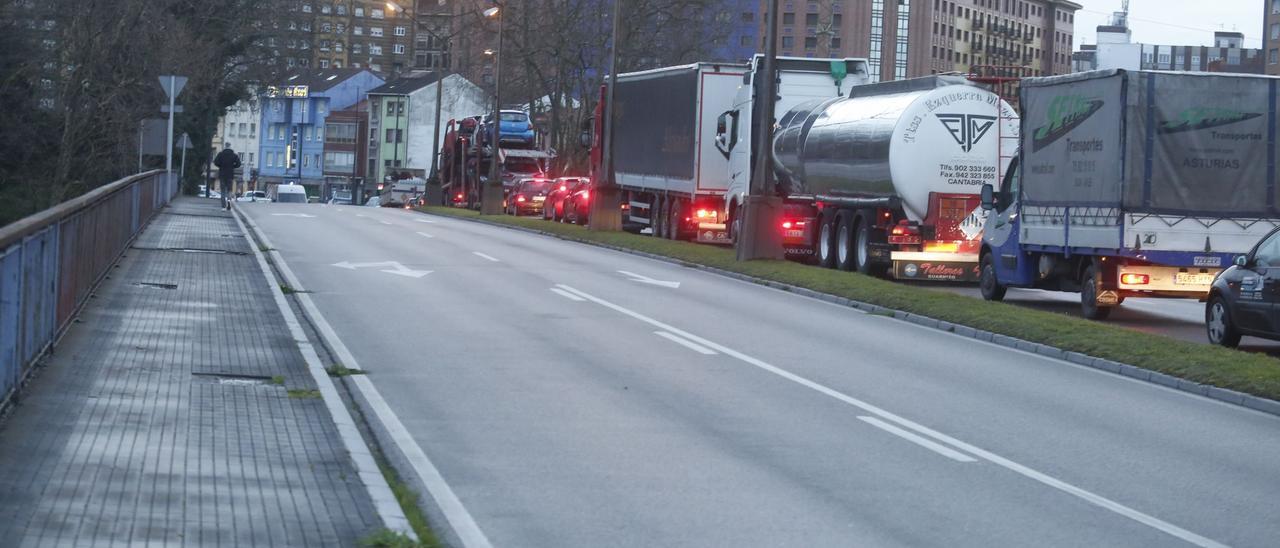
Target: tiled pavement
[156,421]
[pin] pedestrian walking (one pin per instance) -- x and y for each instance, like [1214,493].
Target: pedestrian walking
[227,162]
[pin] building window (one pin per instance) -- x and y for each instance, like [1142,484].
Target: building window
[748,17]
[376,13]
[398,48]
[359,12]
[358,31]
[400,31]
[324,63]
[375,49]
[253,130]
[877,40]
[788,18]
[1275,31]
[375,32]
[788,42]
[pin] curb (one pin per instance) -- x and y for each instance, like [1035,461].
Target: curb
[384,500]
[1225,395]
[448,519]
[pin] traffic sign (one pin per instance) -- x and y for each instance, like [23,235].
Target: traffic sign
[173,85]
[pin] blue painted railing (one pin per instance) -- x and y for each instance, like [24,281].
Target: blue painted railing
[50,262]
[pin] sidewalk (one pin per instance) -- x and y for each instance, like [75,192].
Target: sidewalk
[157,420]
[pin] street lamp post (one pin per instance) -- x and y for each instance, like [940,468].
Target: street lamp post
[491,192]
[760,237]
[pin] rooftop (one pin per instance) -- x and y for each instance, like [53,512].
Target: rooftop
[406,84]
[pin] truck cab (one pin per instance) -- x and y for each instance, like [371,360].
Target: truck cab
[799,80]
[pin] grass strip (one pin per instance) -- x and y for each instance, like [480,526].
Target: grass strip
[1252,373]
[408,499]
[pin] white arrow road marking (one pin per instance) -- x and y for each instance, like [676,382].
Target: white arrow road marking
[398,269]
[567,294]
[647,280]
[483,256]
[292,215]
[927,444]
[907,424]
[425,235]
[687,344]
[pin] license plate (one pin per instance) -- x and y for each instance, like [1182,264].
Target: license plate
[1186,278]
[794,234]
[539,198]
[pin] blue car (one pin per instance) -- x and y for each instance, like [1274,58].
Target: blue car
[515,131]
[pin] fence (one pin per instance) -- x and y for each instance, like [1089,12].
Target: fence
[51,261]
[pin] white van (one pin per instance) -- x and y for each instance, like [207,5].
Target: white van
[291,193]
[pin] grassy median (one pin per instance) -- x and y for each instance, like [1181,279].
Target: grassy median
[1252,373]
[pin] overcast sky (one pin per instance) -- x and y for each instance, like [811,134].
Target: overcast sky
[1175,22]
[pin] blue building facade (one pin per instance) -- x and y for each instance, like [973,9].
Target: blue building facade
[742,21]
[291,146]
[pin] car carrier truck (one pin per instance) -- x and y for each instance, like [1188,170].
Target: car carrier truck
[1133,183]
[887,177]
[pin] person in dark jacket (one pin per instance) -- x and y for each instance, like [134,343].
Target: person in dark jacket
[227,161]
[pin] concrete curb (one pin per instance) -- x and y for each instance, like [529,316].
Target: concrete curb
[384,500]
[449,519]
[1225,395]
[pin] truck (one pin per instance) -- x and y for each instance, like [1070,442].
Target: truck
[886,178]
[465,161]
[402,192]
[1132,184]
[672,169]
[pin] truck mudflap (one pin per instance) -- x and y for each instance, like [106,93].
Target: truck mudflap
[935,267]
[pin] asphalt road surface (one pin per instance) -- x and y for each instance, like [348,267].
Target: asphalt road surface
[575,396]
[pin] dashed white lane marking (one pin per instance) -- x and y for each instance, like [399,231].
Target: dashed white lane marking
[687,344]
[567,294]
[483,256]
[425,235]
[922,442]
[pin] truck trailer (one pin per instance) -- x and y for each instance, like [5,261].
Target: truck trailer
[887,178]
[1133,184]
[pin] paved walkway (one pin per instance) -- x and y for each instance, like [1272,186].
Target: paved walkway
[157,420]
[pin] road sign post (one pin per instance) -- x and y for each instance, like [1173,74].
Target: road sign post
[172,86]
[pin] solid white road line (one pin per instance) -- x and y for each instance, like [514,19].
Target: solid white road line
[483,256]
[567,294]
[463,524]
[425,235]
[927,444]
[687,344]
[1045,479]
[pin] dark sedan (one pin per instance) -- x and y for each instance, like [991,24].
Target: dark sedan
[553,207]
[1245,299]
[527,196]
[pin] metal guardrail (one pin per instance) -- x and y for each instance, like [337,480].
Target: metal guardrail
[51,261]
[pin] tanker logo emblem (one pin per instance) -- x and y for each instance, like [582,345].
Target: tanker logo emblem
[967,129]
[1065,112]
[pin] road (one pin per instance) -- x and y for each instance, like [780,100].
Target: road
[574,396]
[1177,318]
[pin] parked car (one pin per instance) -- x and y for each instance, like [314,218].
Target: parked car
[527,196]
[253,196]
[553,207]
[291,193]
[373,201]
[1244,298]
[577,206]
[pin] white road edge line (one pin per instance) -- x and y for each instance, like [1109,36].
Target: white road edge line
[1045,479]
[483,256]
[687,344]
[567,295]
[455,514]
[922,442]
[384,500]
[425,235]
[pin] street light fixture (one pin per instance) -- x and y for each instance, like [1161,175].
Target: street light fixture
[491,193]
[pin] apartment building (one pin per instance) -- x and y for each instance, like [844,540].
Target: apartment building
[1271,37]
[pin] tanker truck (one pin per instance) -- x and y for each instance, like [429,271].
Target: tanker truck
[887,180]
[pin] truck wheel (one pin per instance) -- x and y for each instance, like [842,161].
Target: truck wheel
[735,223]
[675,211]
[1089,296]
[987,282]
[1218,321]
[862,249]
[658,217]
[845,243]
[827,243]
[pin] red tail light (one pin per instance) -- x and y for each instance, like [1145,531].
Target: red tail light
[789,224]
[519,198]
[1135,279]
[563,188]
[459,197]
[586,194]
[905,234]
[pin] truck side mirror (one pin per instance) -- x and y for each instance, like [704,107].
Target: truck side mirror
[988,197]
[1242,261]
[584,139]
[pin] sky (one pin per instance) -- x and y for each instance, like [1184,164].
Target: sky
[1175,22]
